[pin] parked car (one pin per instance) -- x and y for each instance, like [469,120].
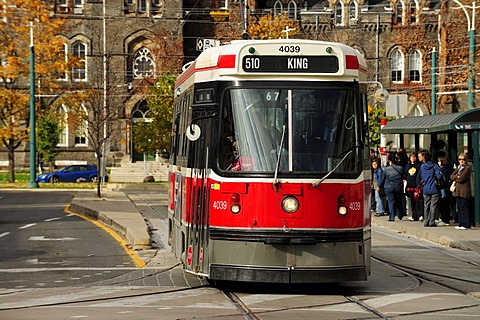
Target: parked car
[73,173]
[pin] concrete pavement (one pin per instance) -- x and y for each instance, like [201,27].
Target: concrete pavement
[116,210]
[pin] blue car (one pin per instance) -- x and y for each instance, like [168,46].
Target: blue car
[73,173]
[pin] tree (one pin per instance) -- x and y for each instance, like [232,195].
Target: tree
[49,129]
[154,136]
[273,27]
[50,64]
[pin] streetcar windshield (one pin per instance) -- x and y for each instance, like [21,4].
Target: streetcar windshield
[296,130]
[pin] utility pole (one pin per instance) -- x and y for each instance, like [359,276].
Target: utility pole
[434,81]
[471,51]
[33,168]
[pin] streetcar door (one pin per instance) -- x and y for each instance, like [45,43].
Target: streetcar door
[198,196]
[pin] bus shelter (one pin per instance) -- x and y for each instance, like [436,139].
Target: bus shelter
[460,132]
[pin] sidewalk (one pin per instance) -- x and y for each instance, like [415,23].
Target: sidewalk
[116,211]
[446,236]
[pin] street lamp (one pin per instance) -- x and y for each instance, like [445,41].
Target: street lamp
[471,52]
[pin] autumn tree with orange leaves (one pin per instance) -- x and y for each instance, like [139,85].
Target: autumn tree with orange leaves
[273,27]
[50,65]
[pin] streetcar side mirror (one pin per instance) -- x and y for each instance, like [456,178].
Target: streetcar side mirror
[381,95]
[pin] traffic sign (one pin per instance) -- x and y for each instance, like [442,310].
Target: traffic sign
[203,43]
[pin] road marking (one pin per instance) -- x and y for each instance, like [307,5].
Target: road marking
[21,270]
[35,261]
[52,219]
[4,234]
[42,238]
[132,253]
[27,226]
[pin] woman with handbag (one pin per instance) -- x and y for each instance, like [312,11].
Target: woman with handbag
[462,190]
[411,171]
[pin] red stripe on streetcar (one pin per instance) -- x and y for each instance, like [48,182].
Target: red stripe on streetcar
[224,62]
[227,61]
[351,62]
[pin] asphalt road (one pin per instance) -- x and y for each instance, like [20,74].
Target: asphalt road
[43,246]
[86,278]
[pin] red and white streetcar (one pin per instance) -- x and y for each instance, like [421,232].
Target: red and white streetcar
[269,167]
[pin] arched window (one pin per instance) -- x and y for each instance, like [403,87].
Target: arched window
[79,72]
[292,10]
[397,66]
[143,64]
[277,8]
[352,10]
[81,130]
[413,12]
[416,111]
[415,66]
[142,5]
[62,115]
[338,13]
[398,13]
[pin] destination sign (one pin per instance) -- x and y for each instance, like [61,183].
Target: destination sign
[306,64]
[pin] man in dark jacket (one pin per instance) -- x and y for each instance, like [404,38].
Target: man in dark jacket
[429,173]
[394,188]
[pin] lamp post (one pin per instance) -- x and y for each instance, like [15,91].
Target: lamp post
[33,169]
[471,52]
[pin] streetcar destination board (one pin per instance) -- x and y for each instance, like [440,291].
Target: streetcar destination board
[307,64]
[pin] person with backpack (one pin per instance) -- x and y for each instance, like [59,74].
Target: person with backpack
[431,178]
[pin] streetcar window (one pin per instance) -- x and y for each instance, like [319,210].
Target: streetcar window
[204,95]
[320,130]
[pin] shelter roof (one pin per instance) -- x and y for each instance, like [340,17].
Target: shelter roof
[462,121]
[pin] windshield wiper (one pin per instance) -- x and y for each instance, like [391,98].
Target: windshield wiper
[277,166]
[348,152]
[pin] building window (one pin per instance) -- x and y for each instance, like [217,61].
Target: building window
[292,10]
[397,66]
[338,13]
[63,75]
[352,10]
[78,3]
[223,4]
[79,72]
[415,66]
[277,8]
[413,12]
[143,64]
[62,115]
[142,5]
[81,129]
[398,13]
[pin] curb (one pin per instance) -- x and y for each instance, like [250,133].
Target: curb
[137,237]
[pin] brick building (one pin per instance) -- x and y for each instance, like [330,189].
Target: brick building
[124,45]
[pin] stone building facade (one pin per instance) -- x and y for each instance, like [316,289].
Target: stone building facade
[130,40]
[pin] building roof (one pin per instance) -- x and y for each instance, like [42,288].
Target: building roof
[462,121]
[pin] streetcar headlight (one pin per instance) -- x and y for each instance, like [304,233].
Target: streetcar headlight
[235,208]
[290,204]
[342,210]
